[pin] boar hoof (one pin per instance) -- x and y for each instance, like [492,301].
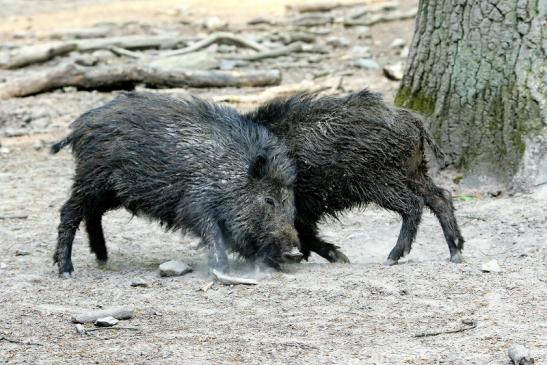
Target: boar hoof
[390,262]
[338,256]
[65,275]
[456,258]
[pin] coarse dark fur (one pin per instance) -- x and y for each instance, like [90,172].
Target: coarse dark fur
[354,150]
[187,163]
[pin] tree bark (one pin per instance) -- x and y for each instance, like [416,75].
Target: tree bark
[478,69]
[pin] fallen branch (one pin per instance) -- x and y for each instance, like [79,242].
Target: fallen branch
[324,6]
[37,53]
[319,6]
[295,47]
[130,42]
[209,78]
[311,20]
[112,328]
[124,52]
[463,329]
[4,338]
[28,55]
[221,38]
[380,18]
[376,8]
[13,216]
[232,280]
[122,75]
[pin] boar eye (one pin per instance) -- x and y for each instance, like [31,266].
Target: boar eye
[270,201]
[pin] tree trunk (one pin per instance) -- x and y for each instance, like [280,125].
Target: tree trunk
[477,68]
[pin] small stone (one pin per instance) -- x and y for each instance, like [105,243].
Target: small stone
[139,282]
[3,265]
[404,52]
[491,266]
[38,145]
[20,252]
[394,72]
[214,23]
[4,150]
[174,268]
[397,43]
[366,64]
[81,329]
[106,322]
[520,355]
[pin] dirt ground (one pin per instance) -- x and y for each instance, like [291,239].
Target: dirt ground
[312,313]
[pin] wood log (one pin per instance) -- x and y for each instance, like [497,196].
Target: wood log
[36,53]
[28,55]
[122,75]
[130,42]
[209,78]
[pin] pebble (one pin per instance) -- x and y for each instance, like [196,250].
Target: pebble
[398,43]
[520,355]
[3,265]
[106,322]
[139,282]
[174,268]
[366,64]
[38,145]
[20,252]
[4,150]
[214,23]
[81,329]
[491,266]
[116,312]
[404,52]
[395,71]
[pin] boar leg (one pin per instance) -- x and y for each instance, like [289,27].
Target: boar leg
[71,216]
[218,260]
[440,202]
[95,233]
[310,241]
[410,207]
[97,206]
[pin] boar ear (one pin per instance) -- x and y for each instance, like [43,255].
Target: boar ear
[257,169]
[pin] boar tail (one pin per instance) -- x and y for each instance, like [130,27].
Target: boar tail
[61,144]
[434,146]
[418,120]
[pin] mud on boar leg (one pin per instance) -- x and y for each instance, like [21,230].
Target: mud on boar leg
[310,241]
[412,215]
[218,260]
[440,202]
[71,216]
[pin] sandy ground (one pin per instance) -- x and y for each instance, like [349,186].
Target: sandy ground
[311,313]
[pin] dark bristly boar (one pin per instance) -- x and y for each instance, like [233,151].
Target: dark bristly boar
[355,150]
[187,163]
